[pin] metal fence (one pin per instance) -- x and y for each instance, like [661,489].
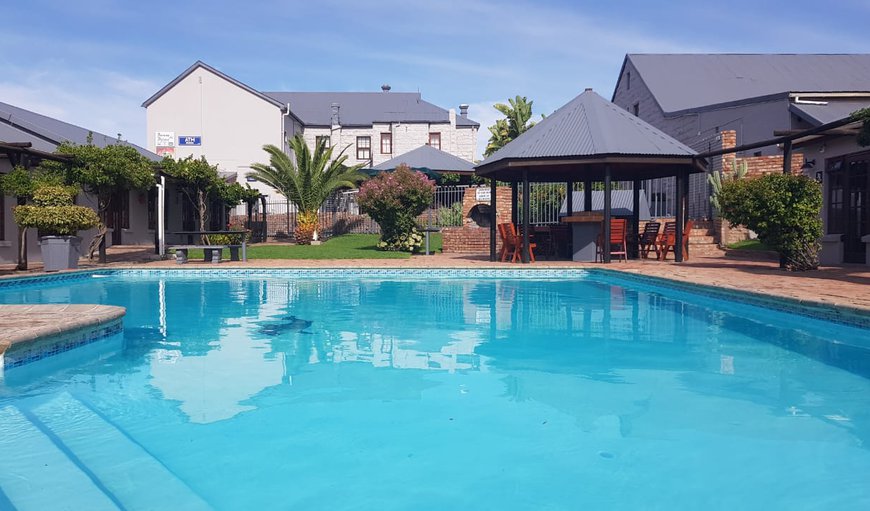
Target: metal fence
[340,214]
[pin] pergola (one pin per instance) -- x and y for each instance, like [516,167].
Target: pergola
[588,140]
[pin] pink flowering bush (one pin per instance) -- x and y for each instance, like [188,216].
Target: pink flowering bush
[394,200]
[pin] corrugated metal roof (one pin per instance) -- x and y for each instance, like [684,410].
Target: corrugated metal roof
[682,82]
[621,203]
[46,133]
[427,157]
[364,108]
[832,111]
[589,125]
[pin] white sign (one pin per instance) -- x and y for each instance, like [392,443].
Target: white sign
[164,139]
[483,194]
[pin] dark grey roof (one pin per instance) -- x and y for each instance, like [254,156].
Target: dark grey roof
[684,82]
[621,203]
[587,126]
[364,108]
[832,111]
[207,67]
[427,157]
[46,133]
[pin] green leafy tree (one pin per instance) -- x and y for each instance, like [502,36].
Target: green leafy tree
[104,172]
[306,182]
[54,213]
[394,200]
[517,120]
[22,184]
[200,183]
[783,209]
[864,135]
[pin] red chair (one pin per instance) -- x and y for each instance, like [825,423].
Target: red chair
[618,242]
[668,239]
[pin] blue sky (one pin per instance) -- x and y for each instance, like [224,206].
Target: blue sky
[93,62]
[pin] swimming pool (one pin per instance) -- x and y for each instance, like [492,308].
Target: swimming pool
[434,390]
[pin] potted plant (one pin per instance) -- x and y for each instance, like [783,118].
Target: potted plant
[58,221]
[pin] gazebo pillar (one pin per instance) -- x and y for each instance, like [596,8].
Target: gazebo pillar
[492,218]
[515,196]
[525,251]
[607,213]
[635,213]
[587,195]
[680,216]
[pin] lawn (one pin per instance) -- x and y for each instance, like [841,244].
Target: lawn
[749,245]
[348,246]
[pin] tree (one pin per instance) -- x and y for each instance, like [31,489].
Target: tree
[22,184]
[54,213]
[783,209]
[864,135]
[200,182]
[518,115]
[104,172]
[394,200]
[307,182]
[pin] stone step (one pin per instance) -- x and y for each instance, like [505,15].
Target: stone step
[132,475]
[36,473]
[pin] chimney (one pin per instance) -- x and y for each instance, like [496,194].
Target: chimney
[336,120]
[385,87]
[463,110]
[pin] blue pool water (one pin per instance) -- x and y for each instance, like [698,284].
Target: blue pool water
[435,393]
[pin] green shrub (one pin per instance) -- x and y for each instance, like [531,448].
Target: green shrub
[54,214]
[450,216]
[229,239]
[783,209]
[394,200]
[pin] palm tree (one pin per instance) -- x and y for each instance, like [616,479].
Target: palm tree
[308,182]
[518,115]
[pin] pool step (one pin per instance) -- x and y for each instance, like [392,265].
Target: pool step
[128,476]
[36,474]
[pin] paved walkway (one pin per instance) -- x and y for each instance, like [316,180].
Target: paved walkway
[847,285]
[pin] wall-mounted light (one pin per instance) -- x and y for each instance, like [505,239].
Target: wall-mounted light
[808,165]
[819,174]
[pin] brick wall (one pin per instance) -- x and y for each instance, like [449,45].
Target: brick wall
[470,238]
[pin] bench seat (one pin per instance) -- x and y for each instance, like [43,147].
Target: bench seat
[211,253]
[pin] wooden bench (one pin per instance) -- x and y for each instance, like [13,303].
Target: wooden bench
[211,253]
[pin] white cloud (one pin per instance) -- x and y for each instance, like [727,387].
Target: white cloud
[100,100]
[486,115]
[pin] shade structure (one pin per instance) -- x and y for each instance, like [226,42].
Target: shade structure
[427,157]
[590,139]
[582,137]
[431,174]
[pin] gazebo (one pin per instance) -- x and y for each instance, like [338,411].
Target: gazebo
[590,139]
[429,160]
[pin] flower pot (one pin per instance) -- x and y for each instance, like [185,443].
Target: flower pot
[60,252]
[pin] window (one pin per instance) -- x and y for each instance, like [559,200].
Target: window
[435,140]
[628,80]
[635,109]
[322,138]
[152,208]
[363,148]
[836,197]
[386,143]
[2,217]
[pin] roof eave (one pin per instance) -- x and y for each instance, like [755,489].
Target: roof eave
[691,160]
[166,88]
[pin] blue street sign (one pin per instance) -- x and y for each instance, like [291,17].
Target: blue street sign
[197,140]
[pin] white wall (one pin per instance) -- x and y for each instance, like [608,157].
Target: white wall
[234,123]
